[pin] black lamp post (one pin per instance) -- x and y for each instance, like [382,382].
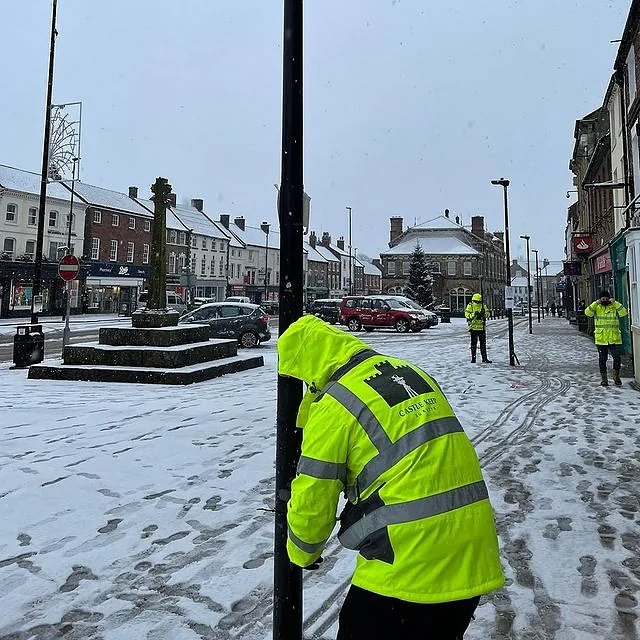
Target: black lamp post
[265,227]
[37,267]
[351,291]
[504,183]
[537,282]
[527,238]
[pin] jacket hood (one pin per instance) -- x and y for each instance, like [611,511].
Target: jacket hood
[311,350]
[476,298]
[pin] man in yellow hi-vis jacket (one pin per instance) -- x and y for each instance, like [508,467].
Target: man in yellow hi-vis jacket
[417,511]
[477,315]
[607,335]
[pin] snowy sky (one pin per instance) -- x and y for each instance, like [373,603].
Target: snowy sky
[142,511]
[411,107]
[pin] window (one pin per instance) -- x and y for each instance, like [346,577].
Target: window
[467,269]
[132,223]
[459,298]
[204,243]
[113,251]
[145,254]
[631,75]
[182,261]
[32,219]
[181,237]
[30,249]
[173,236]
[391,268]
[233,253]
[213,265]
[97,217]
[69,221]
[115,220]
[172,263]
[95,248]
[56,250]
[53,218]
[203,266]
[194,242]
[250,256]
[9,246]
[213,245]
[147,225]
[406,267]
[12,213]
[221,266]
[130,251]
[451,268]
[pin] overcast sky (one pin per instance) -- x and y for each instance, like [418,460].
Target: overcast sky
[411,106]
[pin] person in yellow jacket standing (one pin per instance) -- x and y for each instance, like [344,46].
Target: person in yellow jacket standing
[477,315]
[381,430]
[607,335]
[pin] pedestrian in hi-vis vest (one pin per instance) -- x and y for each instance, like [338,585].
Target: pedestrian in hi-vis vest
[417,512]
[477,315]
[606,314]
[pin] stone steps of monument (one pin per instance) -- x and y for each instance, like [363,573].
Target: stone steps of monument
[159,337]
[55,370]
[169,357]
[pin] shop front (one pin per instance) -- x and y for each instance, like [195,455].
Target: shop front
[602,271]
[113,287]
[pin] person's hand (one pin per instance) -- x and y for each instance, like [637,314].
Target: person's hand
[314,565]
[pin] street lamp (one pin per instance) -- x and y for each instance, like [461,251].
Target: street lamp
[350,262]
[527,238]
[537,282]
[265,227]
[502,182]
[355,271]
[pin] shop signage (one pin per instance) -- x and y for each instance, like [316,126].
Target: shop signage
[561,286]
[115,270]
[572,268]
[581,245]
[602,263]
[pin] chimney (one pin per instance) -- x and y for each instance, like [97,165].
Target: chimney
[239,222]
[224,220]
[499,235]
[340,243]
[477,226]
[172,200]
[197,203]
[378,263]
[312,239]
[133,192]
[264,226]
[395,224]
[446,213]
[326,239]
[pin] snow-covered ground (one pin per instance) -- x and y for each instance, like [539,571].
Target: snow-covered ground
[143,512]
[55,325]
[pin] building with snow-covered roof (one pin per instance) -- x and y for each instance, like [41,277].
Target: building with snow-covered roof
[19,213]
[461,260]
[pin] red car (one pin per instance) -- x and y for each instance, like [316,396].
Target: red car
[371,312]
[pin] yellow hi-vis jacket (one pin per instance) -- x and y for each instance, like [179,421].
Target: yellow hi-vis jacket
[606,321]
[381,429]
[476,314]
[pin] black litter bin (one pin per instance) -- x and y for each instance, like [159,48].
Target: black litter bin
[28,345]
[582,321]
[445,314]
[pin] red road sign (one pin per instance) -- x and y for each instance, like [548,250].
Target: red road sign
[68,268]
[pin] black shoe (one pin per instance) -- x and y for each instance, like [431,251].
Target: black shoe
[486,361]
[473,359]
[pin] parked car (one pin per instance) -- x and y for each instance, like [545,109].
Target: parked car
[372,312]
[237,299]
[174,301]
[327,309]
[247,323]
[431,319]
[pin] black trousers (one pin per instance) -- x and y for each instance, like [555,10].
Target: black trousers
[603,355]
[369,616]
[482,337]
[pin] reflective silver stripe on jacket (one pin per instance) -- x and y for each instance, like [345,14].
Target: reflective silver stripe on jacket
[411,511]
[307,547]
[411,441]
[323,470]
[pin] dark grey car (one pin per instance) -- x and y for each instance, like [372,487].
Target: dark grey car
[247,323]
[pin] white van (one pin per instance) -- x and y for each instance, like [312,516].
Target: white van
[174,301]
[238,299]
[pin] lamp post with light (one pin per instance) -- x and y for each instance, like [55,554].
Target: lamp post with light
[527,238]
[537,282]
[504,183]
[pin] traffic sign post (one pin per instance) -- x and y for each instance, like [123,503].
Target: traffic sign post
[68,270]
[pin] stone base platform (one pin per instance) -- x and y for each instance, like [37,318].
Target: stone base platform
[55,370]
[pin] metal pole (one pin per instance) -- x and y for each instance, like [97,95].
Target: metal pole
[37,267]
[66,331]
[350,262]
[266,260]
[537,283]
[505,184]
[287,588]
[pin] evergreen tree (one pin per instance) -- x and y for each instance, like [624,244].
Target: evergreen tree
[419,284]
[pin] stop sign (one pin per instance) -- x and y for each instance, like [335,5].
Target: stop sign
[68,267]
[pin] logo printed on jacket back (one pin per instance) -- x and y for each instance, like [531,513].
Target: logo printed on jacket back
[397,384]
